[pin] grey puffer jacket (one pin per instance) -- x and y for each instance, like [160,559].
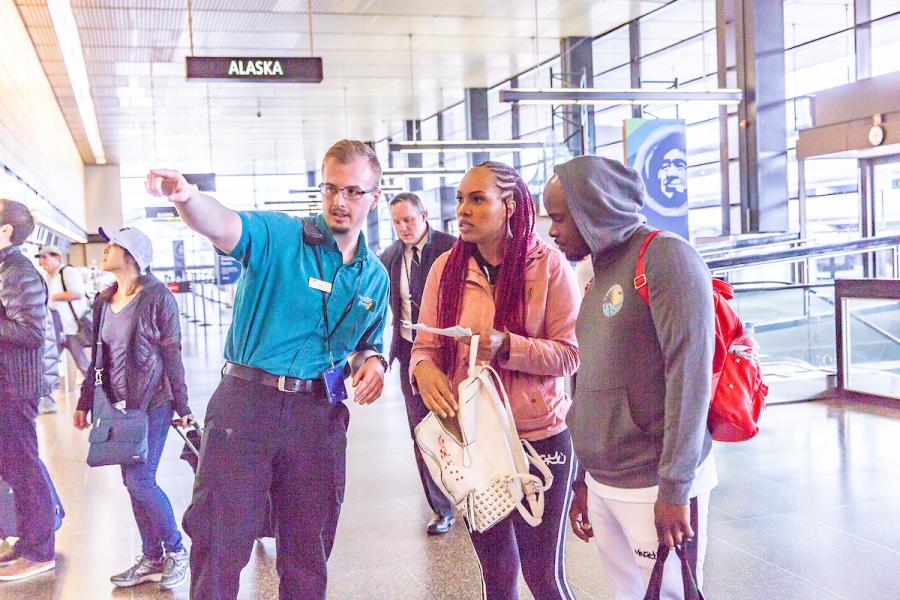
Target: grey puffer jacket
[51,355]
[154,353]
[23,313]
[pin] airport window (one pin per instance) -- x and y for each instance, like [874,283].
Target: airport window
[886,44]
[677,22]
[807,20]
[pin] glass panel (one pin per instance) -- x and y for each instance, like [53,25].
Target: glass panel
[619,77]
[794,327]
[872,346]
[821,65]
[880,8]
[806,20]
[887,198]
[611,50]
[832,209]
[678,21]
[886,45]
[686,62]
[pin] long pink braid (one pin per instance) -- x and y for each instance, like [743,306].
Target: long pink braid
[509,289]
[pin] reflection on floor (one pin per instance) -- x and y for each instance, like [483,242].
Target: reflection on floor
[807,510]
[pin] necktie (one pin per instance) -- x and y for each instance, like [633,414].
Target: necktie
[415,284]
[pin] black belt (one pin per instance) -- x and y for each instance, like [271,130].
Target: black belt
[279,382]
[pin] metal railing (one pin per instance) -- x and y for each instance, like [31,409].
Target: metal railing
[802,255]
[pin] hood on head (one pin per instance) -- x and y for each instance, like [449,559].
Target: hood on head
[604,197]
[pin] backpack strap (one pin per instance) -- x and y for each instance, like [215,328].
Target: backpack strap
[640,274]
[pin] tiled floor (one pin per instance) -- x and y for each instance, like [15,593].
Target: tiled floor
[810,509]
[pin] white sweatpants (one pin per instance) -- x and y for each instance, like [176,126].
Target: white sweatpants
[625,534]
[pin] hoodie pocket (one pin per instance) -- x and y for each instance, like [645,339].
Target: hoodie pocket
[606,435]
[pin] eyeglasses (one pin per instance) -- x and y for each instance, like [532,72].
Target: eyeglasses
[351,192]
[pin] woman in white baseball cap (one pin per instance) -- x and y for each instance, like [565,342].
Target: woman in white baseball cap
[137,321]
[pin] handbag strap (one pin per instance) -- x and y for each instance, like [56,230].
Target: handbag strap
[691,590]
[473,354]
[98,350]
[533,486]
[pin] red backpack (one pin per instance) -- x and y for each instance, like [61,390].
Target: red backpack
[738,392]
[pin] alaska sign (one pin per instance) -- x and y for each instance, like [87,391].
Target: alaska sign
[307,69]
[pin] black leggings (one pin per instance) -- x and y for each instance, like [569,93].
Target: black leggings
[539,550]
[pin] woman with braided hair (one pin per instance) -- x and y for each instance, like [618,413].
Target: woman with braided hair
[520,296]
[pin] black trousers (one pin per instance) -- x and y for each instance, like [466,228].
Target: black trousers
[540,551]
[415,412]
[258,439]
[21,468]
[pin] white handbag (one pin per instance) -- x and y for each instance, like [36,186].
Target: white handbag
[482,466]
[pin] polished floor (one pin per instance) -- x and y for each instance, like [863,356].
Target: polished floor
[808,510]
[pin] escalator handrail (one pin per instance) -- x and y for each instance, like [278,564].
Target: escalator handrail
[720,265]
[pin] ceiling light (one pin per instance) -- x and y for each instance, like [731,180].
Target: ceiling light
[462,146]
[314,191]
[421,171]
[619,96]
[73,56]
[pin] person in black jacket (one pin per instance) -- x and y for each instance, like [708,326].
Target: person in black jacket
[408,261]
[23,311]
[137,321]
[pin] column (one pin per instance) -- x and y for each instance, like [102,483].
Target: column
[762,132]
[577,60]
[477,120]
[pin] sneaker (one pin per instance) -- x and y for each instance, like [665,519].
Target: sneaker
[21,568]
[145,569]
[7,553]
[175,569]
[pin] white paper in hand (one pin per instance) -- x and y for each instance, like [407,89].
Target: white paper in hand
[455,332]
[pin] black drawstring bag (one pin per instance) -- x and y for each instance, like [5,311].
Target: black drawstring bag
[691,590]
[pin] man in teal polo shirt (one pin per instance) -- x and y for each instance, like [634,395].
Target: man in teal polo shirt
[311,301]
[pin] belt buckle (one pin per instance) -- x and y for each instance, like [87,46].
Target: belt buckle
[279,385]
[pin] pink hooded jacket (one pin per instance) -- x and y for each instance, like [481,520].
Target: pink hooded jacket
[532,376]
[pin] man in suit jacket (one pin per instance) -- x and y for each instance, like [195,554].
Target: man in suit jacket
[408,261]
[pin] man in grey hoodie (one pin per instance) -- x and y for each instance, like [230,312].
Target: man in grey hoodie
[642,392]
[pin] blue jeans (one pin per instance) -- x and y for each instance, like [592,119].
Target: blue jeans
[151,506]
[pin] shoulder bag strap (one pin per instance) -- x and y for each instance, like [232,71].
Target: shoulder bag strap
[640,273]
[98,349]
[62,278]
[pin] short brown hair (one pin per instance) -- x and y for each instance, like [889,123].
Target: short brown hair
[16,214]
[347,151]
[408,197]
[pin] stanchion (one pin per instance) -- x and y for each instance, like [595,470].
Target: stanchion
[194,318]
[203,301]
[219,300]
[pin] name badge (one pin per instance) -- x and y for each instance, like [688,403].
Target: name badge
[318,284]
[334,385]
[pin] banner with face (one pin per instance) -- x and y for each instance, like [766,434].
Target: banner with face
[655,148]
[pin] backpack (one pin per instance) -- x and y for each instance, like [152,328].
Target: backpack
[738,392]
[478,460]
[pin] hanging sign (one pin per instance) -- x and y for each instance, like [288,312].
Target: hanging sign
[296,69]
